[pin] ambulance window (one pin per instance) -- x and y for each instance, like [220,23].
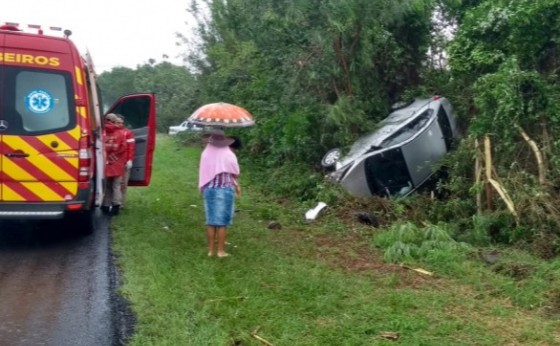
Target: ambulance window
[136,111]
[42,101]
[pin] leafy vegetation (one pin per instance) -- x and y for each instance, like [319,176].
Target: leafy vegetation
[317,74]
[321,283]
[175,89]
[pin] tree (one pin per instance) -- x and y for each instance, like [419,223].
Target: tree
[175,88]
[505,55]
[315,73]
[116,83]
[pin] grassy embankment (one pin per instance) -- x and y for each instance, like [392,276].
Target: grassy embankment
[305,284]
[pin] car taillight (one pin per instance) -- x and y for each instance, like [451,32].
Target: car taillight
[84,159]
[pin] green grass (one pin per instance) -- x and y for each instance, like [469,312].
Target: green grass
[300,285]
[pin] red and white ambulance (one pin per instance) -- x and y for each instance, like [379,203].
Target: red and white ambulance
[51,129]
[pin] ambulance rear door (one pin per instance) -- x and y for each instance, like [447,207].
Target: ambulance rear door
[2,122]
[39,136]
[139,112]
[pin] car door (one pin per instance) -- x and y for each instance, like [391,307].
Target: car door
[139,112]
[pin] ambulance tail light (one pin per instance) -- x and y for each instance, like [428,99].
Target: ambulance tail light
[84,160]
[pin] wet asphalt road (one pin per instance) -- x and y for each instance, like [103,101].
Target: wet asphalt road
[57,288]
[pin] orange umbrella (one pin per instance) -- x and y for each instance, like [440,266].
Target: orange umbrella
[222,114]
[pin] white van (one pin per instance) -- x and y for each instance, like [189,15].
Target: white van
[184,126]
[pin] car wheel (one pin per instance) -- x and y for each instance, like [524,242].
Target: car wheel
[330,158]
[83,222]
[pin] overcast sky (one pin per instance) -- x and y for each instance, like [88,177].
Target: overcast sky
[116,32]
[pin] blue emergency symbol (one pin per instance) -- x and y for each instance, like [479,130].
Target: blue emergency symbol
[39,101]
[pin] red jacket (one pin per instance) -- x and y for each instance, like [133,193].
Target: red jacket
[116,149]
[130,144]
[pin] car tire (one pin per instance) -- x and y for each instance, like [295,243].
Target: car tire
[83,222]
[331,157]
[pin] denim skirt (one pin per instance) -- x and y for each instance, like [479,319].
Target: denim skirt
[219,205]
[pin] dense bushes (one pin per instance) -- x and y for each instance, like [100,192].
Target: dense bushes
[317,74]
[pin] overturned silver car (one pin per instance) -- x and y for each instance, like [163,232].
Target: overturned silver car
[400,155]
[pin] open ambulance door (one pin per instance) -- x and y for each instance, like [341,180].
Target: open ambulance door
[139,112]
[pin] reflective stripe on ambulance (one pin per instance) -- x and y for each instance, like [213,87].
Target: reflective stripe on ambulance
[47,170]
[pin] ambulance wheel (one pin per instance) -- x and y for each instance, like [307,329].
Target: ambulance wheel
[84,222]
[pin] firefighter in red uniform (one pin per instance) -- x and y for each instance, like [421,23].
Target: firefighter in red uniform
[115,148]
[130,146]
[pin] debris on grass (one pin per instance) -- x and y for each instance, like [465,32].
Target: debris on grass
[225,298]
[311,214]
[367,218]
[418,270]
[274,225]
[264,341]
[389,335]
[491,257]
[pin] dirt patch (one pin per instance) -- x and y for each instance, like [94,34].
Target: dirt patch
[517,271]
[353,254]
[377,207]
[552,309]
[547,246]
[512,328]
[349,253]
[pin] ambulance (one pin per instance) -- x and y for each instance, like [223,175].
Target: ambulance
[52,153]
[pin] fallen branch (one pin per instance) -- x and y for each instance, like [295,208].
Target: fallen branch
[478,175]
[264,341]
[503,193]
[418,270]
[491,182]
[488,170]
[536,151]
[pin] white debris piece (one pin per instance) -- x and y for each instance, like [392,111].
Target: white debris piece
[311,214]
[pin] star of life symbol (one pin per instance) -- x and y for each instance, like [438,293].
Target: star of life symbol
[39,101]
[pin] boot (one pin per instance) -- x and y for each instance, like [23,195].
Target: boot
[115,210]
[105,209]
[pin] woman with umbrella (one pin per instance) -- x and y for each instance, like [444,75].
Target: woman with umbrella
[218,174]
[219,171]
